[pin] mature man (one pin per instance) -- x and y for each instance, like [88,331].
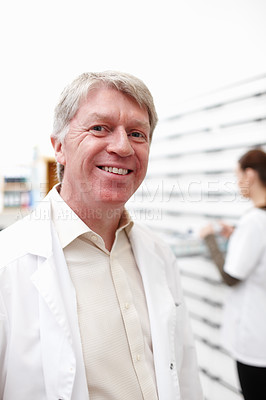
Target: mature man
[91,306]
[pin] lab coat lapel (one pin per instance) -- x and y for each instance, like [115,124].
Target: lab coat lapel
[46,282]
[59,329]
[59,362]
[161,308]
[48,277]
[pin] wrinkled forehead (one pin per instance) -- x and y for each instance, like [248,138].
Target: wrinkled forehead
[97,86]
[104,104]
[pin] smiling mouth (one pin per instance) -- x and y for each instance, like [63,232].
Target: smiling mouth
[114,170]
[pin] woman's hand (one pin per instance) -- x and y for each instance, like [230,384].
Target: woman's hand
[226,230]
[206,231]
[220,228]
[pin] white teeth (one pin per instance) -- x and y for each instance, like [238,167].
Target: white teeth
[114,170]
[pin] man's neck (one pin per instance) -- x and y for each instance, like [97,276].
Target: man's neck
[99,217]
[104,223]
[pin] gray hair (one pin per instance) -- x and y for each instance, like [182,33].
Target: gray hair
[73,95]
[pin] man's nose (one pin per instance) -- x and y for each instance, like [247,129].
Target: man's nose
[120,144]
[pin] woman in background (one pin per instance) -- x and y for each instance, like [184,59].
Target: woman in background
[244,270]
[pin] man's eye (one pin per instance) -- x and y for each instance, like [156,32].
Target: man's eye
[136,134]
[98,128]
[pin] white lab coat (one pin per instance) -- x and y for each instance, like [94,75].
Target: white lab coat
[243,332]
[40,347]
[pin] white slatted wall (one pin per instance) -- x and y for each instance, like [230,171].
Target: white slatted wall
[191,181]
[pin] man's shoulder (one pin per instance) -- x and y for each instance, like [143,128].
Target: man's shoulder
[145,230]
[14,230]
[30,234]
[11,239]
[149,236]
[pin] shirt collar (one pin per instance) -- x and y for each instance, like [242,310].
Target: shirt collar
[69,226]
[125,222]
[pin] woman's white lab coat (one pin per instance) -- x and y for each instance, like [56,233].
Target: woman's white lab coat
[40,347]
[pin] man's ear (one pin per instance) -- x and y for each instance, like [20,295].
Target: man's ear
[58,150]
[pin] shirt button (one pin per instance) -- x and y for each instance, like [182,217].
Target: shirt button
[94,238]
[138,357]
[127,306]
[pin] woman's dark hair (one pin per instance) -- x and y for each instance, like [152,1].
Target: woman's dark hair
[255,159]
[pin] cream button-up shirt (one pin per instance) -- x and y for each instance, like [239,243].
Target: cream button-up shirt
[112,311]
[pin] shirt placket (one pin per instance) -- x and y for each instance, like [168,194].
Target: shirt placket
[133,329]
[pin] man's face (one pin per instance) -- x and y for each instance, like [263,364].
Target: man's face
[106,150]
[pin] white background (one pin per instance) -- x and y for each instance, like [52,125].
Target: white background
[179,48]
